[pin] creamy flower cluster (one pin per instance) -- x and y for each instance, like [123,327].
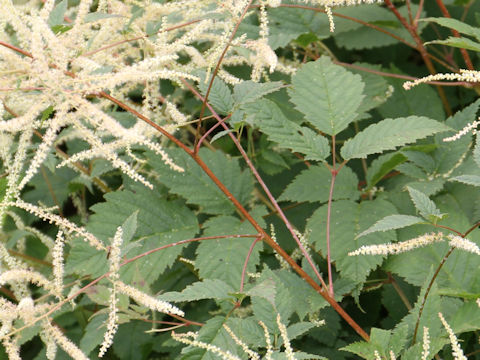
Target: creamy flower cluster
[328,4]
[397,248]
[190,338]
[456,349]
[421,241]
[463,75]
[469,127]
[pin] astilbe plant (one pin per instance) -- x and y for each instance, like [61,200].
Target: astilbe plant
[120,196]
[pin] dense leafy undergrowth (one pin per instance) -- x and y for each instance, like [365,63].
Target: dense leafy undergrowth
[231,179]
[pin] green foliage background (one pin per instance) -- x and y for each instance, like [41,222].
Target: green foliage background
[396,181]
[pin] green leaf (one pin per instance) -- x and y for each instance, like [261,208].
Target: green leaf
[458,293]
[265,289]
[403,103]
[467,179]
[96,16]
[197,188]
[424,205]
[287,134]
[49,186]
[249,91]
[129,227]
[365,37]
[57,14]
[60,29]
[220,96]
[461,42]
[461,26]
[392,222]
[278,299]
[320,90]
[303,299]
[449,155]
[382,166]
[382,341]
[388,134]
[93,335]
[212,332]
[220,134]
[313,184]
[476,152]
[377,90]
[3,187]
[160,222]
[224,258]
[352,219]
[130,340]
[286,25]
[460,271]
[46,113]
[153,27]
[206,289]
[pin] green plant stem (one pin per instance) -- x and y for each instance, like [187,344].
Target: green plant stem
[423,52]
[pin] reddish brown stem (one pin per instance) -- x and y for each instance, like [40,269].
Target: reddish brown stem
[263,185]
[399,76]
[423,52]
[181,242]
[204,136]
[466,57]
[334,172]
[235,202]
[217,68]
[244,269]
[386,32]
[329,217]
[370,26]
[471,229]
[448,228]
[107,274]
